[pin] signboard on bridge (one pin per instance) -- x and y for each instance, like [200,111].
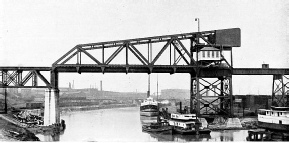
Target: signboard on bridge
[228,37]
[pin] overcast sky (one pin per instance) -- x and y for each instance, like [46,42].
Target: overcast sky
[37,33]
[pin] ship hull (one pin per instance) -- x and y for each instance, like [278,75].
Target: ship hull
[190,132]
[149,113]
[272,126]
[148,128]
[149,108]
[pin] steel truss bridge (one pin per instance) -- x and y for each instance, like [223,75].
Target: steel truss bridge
[159,54]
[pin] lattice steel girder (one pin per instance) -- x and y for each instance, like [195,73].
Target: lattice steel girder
[280,90]
[214,95]
[18,77]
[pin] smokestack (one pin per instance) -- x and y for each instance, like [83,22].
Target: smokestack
[73,84]
[101,85]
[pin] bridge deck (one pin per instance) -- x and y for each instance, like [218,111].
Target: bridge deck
[154,69]
[169,69]
[260,71]
[26,68]
[11,77]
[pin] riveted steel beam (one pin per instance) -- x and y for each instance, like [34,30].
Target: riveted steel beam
[260,71]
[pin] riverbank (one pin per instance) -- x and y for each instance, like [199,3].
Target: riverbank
[94,107]
[12,132]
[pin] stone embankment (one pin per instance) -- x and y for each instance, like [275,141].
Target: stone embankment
[220,123]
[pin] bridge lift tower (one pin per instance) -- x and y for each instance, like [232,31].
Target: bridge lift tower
[213,73]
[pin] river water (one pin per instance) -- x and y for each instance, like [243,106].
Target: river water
[124,125]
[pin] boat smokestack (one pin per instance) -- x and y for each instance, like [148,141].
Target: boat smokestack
[148,94]
[180,107]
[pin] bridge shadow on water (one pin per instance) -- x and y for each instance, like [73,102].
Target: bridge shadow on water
[50,137]
[178,138]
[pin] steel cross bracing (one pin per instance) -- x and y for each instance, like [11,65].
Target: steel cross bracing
[24,77]
[219,102]
[280,91]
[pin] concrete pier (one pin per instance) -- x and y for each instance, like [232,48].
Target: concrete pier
[51,108]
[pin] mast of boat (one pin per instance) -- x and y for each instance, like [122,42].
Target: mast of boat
[157,87]
[148,94]
[150,60]
[159,119]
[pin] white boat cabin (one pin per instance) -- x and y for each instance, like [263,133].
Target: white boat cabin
[273,116]
[183,116]
[186,121]
[185,125]
[209,54]
[149,101]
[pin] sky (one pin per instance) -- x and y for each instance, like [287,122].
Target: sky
[37,33]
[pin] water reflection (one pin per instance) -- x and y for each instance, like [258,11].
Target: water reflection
[178,138]
[229,135]
[50,136]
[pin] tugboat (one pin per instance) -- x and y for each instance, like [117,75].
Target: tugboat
[275,119]
[187,124]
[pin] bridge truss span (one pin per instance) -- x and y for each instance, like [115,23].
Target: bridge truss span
[24,77]
[159,54]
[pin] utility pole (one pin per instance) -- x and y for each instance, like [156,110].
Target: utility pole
[197,19]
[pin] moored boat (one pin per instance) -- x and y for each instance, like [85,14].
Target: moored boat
[149,107]
[157,127]
[187,124]
[277,118]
